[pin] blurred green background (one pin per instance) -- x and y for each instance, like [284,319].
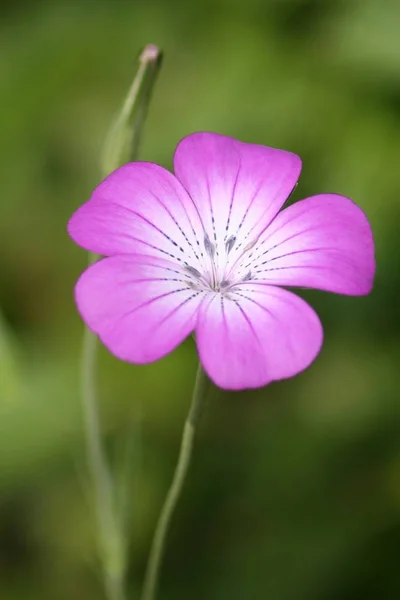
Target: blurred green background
[294,491]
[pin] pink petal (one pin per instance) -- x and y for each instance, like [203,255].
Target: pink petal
[141,307]
[139,208]
[238,188]
[322,242]
[259,334]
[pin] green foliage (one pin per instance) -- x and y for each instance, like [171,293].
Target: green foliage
[295,489]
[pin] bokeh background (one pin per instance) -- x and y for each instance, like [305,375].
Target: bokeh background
[295,489]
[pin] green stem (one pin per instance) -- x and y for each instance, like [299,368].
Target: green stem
[10,377]
[108,528]
[158,544]
[121,146]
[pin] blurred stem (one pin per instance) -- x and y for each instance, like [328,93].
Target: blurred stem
[158,543]
[121,146]
[10,379]
[109,535]
[128,476]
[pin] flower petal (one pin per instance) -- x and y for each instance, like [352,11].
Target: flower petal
[139,208]
[238,188]
[141,307]
[322,242]
[256,335]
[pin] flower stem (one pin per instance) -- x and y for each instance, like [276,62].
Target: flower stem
[157,548]
[10,377]
[108,529]
[121,146]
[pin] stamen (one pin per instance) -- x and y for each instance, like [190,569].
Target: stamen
[247,277]
[193,271]
[236,263]
[230,242]
[250,245]
[209,246]
[225,283]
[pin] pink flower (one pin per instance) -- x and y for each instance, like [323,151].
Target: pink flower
[207,250]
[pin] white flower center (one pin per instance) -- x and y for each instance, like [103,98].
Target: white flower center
[220,273]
